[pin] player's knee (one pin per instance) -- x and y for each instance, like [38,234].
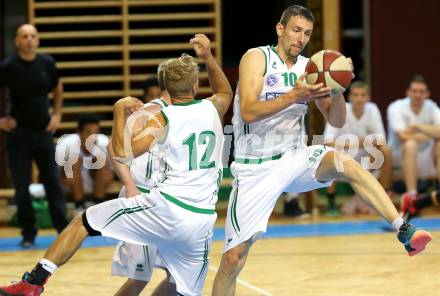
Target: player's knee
[340,160]
[234,257]
[351,170]
[82,219]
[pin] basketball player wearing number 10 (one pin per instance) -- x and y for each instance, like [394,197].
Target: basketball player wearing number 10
[270,157]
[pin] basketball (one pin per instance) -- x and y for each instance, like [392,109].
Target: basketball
[331,68]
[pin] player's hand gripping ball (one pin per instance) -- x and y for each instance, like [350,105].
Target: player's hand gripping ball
[331,68]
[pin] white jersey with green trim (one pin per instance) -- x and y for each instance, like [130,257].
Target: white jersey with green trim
[280,132]
[192,155]
[145,169]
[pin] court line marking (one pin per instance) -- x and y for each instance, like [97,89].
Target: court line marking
[246,284]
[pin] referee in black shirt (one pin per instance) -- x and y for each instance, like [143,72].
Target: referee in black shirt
[30,76]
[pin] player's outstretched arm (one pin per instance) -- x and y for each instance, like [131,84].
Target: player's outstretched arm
[221,89]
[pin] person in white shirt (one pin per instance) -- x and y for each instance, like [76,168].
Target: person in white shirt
[87,180]
[414,135]
[364,127]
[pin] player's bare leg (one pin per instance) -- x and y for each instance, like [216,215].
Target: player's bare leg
[131,288]
[134,287]
[372,193]
[231,264]
[165,288]
[364,183]
[68,242]
[61,250]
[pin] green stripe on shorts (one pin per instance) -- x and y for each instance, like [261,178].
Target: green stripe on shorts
[187,206]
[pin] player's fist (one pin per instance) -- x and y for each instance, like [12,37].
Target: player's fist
[201,45]
[129,105]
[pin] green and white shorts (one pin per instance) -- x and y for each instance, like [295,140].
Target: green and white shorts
[259,183]
[135,261]
[182,237]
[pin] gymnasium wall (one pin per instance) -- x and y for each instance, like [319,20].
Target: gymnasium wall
[404,41]
[2,104]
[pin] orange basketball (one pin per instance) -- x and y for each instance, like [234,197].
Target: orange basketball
[331,68]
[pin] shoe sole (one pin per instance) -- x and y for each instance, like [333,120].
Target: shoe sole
[419,241]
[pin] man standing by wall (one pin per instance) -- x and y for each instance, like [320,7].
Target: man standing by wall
[30,76]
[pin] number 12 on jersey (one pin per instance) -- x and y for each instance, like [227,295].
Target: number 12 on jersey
[193,142]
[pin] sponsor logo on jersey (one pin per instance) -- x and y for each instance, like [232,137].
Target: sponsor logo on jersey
[272,80]
[270,96]
[140,267]
[274,65]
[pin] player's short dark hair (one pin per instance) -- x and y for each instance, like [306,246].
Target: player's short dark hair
[359,84]
[151,81]
[87,118]
[418,78]
[296,10]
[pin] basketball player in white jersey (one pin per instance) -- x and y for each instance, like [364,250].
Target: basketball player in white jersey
[178,216]
[270,157]
[414,132]
[132,261]
[364,125]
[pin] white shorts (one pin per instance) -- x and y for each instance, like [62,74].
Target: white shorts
[135,261]
[425,164]
[257,187]
[182,237]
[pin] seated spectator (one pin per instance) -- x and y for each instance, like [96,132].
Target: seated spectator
[87,142]
[363,120]
[414,134]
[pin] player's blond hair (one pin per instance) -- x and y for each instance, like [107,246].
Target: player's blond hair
[180,74]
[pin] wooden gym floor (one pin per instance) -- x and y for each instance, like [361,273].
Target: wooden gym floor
[326,265]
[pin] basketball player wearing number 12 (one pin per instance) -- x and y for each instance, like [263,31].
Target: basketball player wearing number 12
[270,157]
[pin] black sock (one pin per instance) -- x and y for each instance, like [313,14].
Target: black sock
[98,200]
[426,200]
[331,200]
[38,275]
[79,204]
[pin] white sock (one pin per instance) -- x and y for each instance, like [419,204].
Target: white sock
[413,193]
[397,223]
[48,265]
